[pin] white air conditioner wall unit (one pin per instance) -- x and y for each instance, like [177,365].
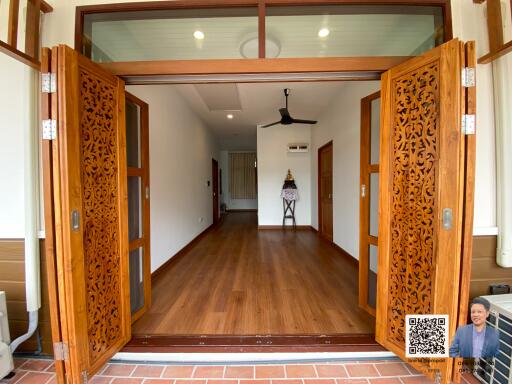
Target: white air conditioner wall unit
[298,147]
[500,372]
[6,363]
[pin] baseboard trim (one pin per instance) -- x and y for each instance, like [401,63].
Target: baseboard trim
[181,252]
[287,227]
[345,254]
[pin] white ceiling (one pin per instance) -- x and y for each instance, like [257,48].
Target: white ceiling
[259,103]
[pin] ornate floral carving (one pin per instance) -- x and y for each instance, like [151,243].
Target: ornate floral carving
[98,114]
[414,167]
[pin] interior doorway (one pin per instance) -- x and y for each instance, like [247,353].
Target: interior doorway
[249,275]
[325,187]
[443,65]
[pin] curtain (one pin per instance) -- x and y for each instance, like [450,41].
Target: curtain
[242,175]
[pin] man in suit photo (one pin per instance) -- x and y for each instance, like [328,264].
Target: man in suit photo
[476,340]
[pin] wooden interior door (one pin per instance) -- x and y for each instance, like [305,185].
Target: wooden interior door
[139,234]
[215,190]
[325,215]
[422,165]
[369,201]
[90,202]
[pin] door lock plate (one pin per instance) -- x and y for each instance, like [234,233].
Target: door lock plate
[447,218]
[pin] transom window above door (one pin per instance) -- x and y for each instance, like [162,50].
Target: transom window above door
[252,29]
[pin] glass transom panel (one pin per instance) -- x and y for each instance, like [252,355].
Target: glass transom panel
[291,31]
[354,30]
[169,35]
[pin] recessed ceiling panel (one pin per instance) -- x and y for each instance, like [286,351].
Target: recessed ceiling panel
[220,97]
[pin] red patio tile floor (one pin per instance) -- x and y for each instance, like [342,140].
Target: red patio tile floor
[391,371]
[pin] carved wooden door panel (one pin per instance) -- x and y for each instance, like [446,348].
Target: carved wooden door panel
[90,205]
[422,178]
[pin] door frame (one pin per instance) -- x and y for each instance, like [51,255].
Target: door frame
[215,191]
[342,68]
[143,172]
[366,168]
[319,181]
[49,150]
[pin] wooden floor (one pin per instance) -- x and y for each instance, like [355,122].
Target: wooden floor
[239,280]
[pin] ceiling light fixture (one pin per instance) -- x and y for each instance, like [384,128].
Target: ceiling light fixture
[199,35]
[230,116]
[324,32]
[249,47]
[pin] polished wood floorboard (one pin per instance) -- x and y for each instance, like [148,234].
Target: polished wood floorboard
[243,281]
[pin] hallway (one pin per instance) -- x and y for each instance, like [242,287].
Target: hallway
[238,280]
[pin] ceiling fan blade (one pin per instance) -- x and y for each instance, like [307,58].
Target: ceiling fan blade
[300,121]
[284,112]
[271,124]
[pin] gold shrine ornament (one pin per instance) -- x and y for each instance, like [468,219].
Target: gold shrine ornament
[289,176]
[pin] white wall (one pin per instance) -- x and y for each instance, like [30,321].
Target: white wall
[341,123]
[17,92]
[58,27]
[273,163]
[470,23]
[226,197]
[181,149]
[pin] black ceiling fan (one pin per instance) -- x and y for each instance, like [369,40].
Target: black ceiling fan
[286,119]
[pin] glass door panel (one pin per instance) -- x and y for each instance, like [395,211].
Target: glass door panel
[135,214]
[372,276]
[369,201]
[136,279]
[374,204]
[137,156]
[375,131]
[133,139]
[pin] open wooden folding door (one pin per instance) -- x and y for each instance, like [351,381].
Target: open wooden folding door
[90,204]
[422,198]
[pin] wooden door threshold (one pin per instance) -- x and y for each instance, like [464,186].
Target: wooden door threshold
[254,343]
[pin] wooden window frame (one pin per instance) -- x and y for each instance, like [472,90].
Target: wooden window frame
[239,66]
[497,46]
[30,56]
